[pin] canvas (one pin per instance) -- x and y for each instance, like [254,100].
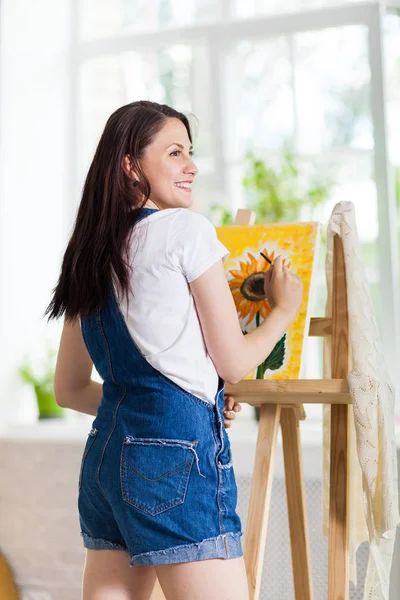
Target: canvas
[245,269]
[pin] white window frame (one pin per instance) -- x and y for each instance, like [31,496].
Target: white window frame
[218,37]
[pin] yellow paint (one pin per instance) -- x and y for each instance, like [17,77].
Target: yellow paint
[298,244]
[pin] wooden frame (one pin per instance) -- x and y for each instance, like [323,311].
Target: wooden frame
[281,403]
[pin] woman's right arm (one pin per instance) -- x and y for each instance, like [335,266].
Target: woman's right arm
[234,354]
[73,384]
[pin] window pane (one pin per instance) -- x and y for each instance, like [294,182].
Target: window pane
[259,95]
[102,18]
[173,75]
[392,62]
[353,176]
[332,89]
[251,8]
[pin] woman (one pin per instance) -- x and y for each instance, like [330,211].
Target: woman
[146,300]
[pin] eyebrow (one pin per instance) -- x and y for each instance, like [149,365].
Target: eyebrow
[180,146]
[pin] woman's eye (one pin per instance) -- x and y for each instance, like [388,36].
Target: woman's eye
[177,152]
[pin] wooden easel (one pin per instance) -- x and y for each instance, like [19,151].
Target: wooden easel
[281,402]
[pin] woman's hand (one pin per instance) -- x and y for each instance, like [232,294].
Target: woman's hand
[283,289]
[230,410]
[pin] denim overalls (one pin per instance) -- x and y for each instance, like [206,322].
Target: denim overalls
[156,477]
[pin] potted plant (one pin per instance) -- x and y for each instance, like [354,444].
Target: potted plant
[43,384]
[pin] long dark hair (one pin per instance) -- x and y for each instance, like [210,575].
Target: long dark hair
[97,253]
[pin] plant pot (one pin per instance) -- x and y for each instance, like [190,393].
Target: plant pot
[47,405]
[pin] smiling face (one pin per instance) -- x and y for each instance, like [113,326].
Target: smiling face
[169,167]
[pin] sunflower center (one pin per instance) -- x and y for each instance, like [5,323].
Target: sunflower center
[252,287]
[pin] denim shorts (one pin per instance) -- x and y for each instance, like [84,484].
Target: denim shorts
[156,477]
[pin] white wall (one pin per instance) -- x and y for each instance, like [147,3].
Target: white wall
[33,183]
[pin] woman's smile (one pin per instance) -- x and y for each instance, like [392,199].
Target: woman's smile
[184,185]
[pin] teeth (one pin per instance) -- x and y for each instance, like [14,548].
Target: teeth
[185,185]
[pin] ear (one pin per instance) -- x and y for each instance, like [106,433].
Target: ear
[127,167]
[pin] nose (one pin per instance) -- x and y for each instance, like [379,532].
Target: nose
[191,167]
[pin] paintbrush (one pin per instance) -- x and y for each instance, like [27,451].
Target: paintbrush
[266,258]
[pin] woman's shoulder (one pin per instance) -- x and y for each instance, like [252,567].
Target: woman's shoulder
[177,218]
[191,221]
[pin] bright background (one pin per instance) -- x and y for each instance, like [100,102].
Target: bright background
[257,74]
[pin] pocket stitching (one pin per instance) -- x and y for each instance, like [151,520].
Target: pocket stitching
[131,467]
[184,481]
[130,440]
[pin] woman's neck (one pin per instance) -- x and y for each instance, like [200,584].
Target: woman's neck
[150,204]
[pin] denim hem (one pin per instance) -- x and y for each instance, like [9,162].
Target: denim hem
[227,545]
[100,544]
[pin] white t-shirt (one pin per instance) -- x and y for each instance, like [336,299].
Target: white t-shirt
[169,249]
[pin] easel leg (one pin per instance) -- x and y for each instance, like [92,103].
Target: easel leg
[339,505]
[295,494]
[260,496]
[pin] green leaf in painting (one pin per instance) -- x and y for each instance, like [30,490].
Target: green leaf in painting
[275,360]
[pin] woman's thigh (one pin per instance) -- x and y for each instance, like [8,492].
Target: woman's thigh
[214,579]
[108,576]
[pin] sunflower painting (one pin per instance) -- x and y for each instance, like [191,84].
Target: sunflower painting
[245,269]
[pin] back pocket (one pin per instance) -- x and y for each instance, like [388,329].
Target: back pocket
[155,472]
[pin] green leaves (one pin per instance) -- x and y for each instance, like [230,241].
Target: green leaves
[279,194]
[274,361]
[221,215]
[26,374]
[42,376]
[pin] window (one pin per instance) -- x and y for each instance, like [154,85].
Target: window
[253,8]
[105,18]
[257,79]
